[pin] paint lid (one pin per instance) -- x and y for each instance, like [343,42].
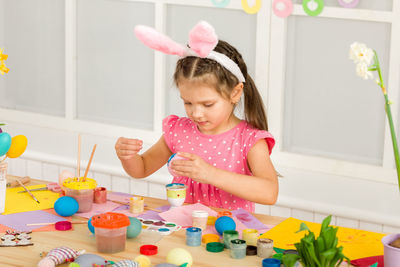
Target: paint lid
[215,247]
[290,251]
[224,213]
[251,250]
[207,238]
[110,220]
[148,250]
[63,225]
[80,184]
[271,262]
[200,213]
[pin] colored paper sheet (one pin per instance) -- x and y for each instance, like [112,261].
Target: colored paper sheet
[98,209]
[147,215]
[356,243]
[21,202]
[119,196]
[19,221]
[249,220]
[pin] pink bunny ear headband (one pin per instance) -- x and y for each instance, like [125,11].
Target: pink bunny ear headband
[202,41]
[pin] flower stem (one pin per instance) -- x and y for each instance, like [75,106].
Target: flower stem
[390,119]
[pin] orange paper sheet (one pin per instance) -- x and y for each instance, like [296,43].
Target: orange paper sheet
[20,202]
[356,243]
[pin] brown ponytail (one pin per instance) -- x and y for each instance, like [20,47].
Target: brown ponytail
[211,72]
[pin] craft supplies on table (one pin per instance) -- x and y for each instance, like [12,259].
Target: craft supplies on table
[54,187]
[82,189]
[250,236]
[161,227]
[110,231]
[136,204]
[100,195]
[229,235]
[199,219]
[238,248]
[193,236]
[265,247]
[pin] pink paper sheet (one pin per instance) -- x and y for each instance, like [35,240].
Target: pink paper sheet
[183,216]
[99,208]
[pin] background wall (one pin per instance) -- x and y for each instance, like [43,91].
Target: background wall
[76,67]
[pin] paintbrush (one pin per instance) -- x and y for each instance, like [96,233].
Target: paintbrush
[27,190]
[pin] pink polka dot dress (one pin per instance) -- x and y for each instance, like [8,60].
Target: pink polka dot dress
[226,151]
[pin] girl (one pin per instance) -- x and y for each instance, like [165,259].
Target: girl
[226,160]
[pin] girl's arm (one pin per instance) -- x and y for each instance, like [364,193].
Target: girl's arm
[261,188]
[140,166]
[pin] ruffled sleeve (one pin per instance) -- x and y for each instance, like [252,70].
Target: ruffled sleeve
[168,128]
[254,135]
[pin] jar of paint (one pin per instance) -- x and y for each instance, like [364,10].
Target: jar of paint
[265,247]
[193,236]
[250,236]
[110,231]
[199,219]
[229,235]
[136,204]
[82,189]
[238,248]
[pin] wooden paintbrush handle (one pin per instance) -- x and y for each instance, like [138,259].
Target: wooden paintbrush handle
[14,183]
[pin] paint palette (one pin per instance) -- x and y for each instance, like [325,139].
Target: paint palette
[161,227]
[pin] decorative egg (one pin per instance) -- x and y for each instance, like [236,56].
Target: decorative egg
[18,146]
[134,229]
[172,158]
[64,175]
[66,206]
[143,261]
[90,225]
[88,260]
[180,256]
[5,143]
[224,223]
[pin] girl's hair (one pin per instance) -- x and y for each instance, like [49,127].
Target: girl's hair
[208,71]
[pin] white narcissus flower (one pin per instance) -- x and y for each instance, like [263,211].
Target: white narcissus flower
[362,71]
[359,52]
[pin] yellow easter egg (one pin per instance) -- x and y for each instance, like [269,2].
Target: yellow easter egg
[143,261]
[18,146]
[180,256]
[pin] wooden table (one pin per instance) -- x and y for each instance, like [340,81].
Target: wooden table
[81,238]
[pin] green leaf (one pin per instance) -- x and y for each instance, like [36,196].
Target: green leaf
[289,260]
[303,227]
[325,224]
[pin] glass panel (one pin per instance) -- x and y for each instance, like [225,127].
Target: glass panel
[114,69]
[385,5]
[233,26]
[329,110]
[32,34]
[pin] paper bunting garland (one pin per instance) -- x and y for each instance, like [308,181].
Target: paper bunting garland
[282,8]
[348,3]
[313,7]
[220,3]
[251,10]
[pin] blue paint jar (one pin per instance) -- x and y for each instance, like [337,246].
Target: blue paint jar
[270,262]
[193,236]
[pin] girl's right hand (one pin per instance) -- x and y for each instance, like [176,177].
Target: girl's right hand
[127,148]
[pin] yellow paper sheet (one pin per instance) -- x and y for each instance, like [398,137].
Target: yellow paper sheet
[21,202]
[356,243]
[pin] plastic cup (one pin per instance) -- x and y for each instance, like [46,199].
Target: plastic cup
[82,190]
[199,219]
[110,231]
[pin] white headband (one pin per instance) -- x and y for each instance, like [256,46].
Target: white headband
[202,41]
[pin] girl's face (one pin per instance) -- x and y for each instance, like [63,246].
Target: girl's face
[212,113]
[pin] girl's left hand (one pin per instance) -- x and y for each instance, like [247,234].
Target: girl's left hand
[193,167]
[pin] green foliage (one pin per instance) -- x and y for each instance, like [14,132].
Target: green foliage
[317,252]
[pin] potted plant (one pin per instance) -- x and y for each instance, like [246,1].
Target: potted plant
[367,61]
[317,252]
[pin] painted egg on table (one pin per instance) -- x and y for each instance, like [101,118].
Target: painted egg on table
[134,229]
[88,260]
[5,143]
[224,223]
[66,206]
[18,146]
[180,256]
[90,225]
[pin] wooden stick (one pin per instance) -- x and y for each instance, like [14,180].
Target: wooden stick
[78,170]
[127,203]
[50,223]
[27,190]
[90,161]
[24,180]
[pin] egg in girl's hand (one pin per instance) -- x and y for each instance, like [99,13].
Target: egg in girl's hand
[173,157]
[64,175]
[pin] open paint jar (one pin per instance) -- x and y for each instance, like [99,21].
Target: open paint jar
[110,231]
[81,190]
[199,219]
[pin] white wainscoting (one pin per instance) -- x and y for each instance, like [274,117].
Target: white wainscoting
[154,187]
